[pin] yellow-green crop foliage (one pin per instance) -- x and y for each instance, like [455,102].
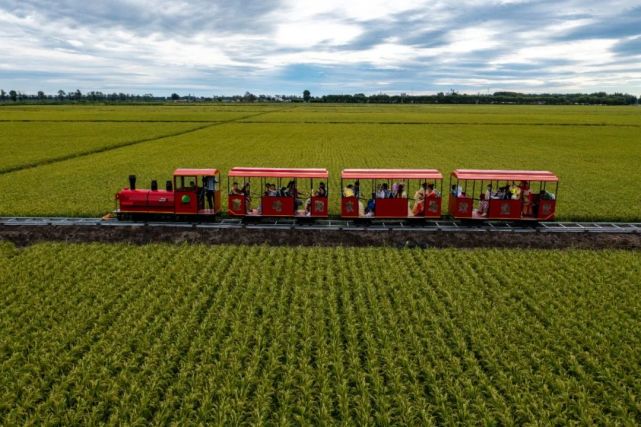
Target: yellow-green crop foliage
[232,335]
[594,150]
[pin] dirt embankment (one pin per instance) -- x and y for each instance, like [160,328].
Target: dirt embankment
[26,235]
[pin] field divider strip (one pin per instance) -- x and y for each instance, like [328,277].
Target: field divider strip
[124,144]
[105,121]
[243,119]
[338,122]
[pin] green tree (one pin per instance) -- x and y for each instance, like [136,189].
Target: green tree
[3,95]
[61,95]
[175,97]
[249,97]
[41,95]
[306,95]
[13,95]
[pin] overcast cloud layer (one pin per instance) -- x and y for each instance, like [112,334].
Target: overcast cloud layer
[327,46]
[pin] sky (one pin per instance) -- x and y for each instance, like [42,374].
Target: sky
[224,47]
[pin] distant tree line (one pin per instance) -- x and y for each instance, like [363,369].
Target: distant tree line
[452,97]
[73,97]
[597,98]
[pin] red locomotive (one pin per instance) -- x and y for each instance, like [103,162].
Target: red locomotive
[417,194]
[193,194]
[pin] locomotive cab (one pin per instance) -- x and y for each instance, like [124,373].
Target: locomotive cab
[196,191]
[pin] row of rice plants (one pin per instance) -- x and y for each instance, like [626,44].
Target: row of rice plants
[461,114]
[130,113]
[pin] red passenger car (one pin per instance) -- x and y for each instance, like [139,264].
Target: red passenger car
[193,192]
[277,192]
[503,194]
[391,193]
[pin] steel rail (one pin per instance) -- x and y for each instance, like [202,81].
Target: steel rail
[341,225]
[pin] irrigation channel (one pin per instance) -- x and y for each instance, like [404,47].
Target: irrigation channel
[331,232]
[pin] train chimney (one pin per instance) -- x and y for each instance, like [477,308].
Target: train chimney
[132,182]
[154,185]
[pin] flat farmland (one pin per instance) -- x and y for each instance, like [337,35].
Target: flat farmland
[594,150]
[223,335]
[128,114]
[31,144]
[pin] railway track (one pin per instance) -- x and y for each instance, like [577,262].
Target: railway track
[339,225]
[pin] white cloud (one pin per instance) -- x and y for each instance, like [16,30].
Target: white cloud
[580,52]
[311,33]
[139,44]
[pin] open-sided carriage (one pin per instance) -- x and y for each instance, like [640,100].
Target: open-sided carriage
[391,193]
[503,194]
[278,192]
[192,193]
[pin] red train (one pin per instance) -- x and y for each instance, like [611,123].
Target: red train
[417,194]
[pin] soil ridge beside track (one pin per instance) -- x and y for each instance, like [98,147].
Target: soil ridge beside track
[139,235]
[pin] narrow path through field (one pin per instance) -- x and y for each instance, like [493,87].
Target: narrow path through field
[338,122]
[113,120]
[130,143]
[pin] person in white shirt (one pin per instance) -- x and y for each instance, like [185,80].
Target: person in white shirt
[383,192]
[209,185]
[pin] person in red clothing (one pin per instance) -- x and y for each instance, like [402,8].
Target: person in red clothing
[526,198]
[419,201]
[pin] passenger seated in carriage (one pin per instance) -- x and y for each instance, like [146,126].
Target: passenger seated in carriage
[423,194]
[348,191]
[383,192]
[515,191]
[371,206]
[503,193]
[292,191]
[400,192]
[270,190]
[322,190]
[246,191]
[419,201]
[235,190]
[483,205]
[308,203]
[489,194]
[431,193]
[527,197]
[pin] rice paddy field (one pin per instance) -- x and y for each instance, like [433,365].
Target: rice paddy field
[228,335]
[71,160]
[257,335]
